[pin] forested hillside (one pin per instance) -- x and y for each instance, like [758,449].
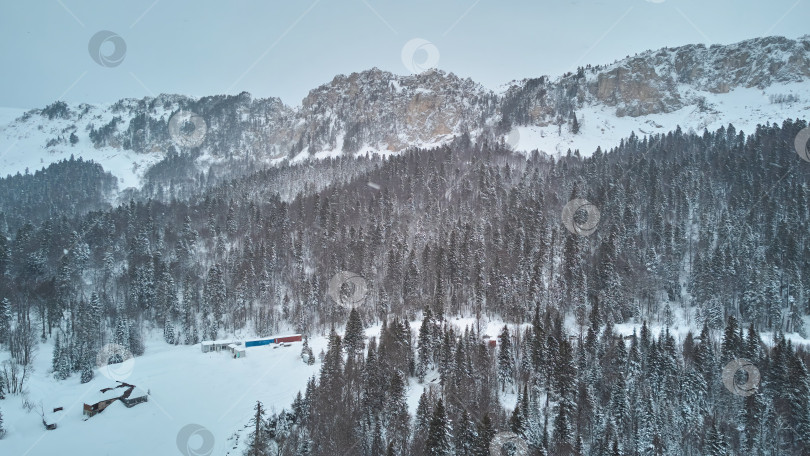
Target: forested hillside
[64,188]
[711,227]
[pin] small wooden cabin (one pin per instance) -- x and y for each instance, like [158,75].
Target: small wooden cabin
[103,399]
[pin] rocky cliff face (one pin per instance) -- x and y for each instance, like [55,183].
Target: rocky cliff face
[380,110]
[649,83]
[377,110]
[661,81]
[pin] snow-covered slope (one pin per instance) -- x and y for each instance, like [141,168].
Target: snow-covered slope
[185,387]
[30,142]
[599,126]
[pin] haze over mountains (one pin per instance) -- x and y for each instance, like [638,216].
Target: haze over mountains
[695,87]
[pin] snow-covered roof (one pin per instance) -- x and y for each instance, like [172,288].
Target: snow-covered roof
[137,392]
[51,416]
[218,342]
[99,396]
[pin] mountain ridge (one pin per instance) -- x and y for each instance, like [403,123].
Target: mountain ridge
[693,86]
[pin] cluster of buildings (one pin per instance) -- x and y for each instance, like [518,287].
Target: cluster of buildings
[129,395]
[237,349]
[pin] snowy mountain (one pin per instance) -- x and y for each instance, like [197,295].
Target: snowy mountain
[479,301]
[695,87]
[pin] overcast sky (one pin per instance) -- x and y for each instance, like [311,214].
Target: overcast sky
[284,49]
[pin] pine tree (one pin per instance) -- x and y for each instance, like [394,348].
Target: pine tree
[5,320]
[753,416]
[168,332]
[353,337]
[306,352]
[732,345]
[516,421]
[424,346]
[135,342]
[615,449]
[2,428]
[57,349]
[486,432]
[332,368]
[439,438]
[506,362]
[421,423]
[396,412]
[87,371]
[715,442]
[466,438]
[257,441]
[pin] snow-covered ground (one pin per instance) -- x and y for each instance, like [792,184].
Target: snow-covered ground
[211,390]
[23,146]
[600,127]
[186,387]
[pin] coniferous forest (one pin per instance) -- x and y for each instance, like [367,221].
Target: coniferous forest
[706,228]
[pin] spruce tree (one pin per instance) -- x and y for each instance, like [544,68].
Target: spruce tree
[732,345]
[466,437]
[506,363]
[424,346]
[57,348]
[353,338]
[5,320]
[258,439]
[486,432]
[87,371]
[715,442]
[439,439]
[421,423]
